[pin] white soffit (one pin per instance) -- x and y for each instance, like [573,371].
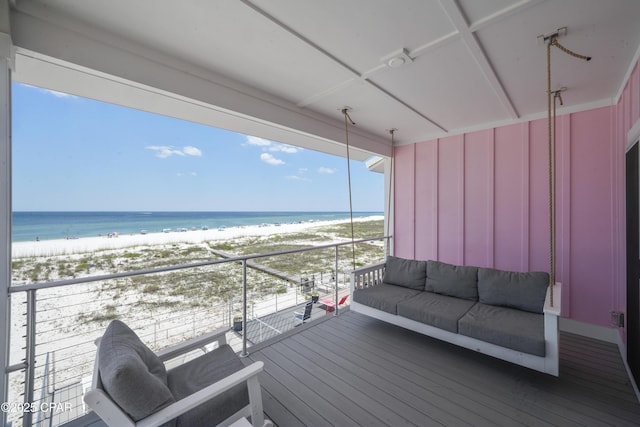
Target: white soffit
[40,72]
[294,64]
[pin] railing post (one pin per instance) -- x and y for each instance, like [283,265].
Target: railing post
[244,308]
[30,355]
[335,309]
[43,393]
[7,59]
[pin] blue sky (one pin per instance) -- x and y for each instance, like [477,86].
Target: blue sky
[72,153]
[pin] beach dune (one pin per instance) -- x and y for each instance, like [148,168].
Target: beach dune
[90,244]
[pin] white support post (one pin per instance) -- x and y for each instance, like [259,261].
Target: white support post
[244,309]
[388,205]
[6,63]
[335,307]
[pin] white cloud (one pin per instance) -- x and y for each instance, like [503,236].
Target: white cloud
[57,94]
[192,151]
[164,151]
[187,174]
[274,147]
[50,91]
[284,148]
[300,176]
[260,142]
[327,171]
[61,94]
[269,159]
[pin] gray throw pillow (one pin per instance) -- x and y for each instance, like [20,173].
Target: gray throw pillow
[524,291]
[405,272]
[454,280]
[132,375]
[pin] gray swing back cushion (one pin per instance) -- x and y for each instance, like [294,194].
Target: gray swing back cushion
[453,280]
[408,273]
[131,374]
[524,291]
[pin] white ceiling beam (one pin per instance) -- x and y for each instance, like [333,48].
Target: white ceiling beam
[459,22]
[502,14]
[327,92]
[357,76]
[366,76]
[435,44]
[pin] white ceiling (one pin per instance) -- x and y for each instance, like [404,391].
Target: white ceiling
[283,69]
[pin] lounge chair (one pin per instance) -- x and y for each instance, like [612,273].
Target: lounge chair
[302,316]
[131,386]
[330,306]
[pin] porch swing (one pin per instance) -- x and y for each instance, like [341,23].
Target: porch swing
[509,315]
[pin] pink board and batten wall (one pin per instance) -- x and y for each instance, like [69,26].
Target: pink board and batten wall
[481,198]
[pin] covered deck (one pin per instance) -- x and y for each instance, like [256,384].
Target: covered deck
[349,369]
[354,370]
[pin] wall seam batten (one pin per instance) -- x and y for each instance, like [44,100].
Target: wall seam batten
[436,198]
[461,202]
[415,193]
[613,185]
[565,214]
[526,187]
[491,245]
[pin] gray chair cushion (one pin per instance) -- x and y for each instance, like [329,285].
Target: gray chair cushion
[131,374]
[507,327]
[405,272]
[525,291]
[453,280]
[197,374]
[436,310]
[383,297]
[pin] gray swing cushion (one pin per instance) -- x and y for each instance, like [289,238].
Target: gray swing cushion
[131,374]
[524,291]
[453,280]
[383,297]
[436,310]
[407,273]
[507,327]
[201,372]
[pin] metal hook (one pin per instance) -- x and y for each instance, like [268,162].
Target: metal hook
[558,94]
[345,111]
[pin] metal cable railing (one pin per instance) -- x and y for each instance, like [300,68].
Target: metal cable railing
[55,323]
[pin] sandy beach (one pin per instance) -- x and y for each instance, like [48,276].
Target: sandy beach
[164,309]
[89,244]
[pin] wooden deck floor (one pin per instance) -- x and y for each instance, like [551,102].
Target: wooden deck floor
[353,370]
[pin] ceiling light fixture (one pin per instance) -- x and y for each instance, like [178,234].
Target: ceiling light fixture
[397,59]
[396,62]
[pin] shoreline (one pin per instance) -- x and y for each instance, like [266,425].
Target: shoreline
[54,247]
[50,225]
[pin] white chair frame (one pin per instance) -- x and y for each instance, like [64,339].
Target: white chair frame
[114,416]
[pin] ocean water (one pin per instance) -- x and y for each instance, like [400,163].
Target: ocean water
[61,225]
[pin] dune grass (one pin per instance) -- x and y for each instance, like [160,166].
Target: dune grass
[203,286]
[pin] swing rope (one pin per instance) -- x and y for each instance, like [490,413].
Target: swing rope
[347,120]
[392,132]
[553,97]
[552,159]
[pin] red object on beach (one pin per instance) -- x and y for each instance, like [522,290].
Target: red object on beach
[330,306]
